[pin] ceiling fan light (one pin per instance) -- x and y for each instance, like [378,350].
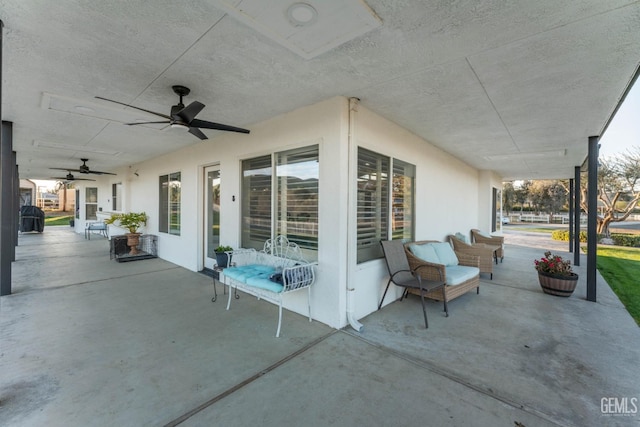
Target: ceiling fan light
[179,126]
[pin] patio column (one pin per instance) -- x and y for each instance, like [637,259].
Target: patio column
[6,195]
[592,202]
[571,199]
[576,216]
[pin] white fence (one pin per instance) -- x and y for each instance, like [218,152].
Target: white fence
[544,219]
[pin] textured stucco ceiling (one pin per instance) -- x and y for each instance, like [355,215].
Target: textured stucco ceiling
[511,86]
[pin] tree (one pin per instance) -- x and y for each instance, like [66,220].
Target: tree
[508,196]
[548,196]
[618,188]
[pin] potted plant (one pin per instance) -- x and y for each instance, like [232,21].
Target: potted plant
[222,258]
[132,221]
[555,275]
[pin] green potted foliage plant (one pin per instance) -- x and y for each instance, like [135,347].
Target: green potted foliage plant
[555,275]
[132,221]
[222,258]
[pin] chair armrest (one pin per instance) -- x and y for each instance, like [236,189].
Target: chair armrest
[478,249]
[430,271]
[468,260]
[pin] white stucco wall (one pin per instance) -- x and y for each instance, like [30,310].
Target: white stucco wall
[450,196]
[488,181]
[447,198]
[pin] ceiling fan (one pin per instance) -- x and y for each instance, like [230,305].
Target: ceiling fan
[183,117]
[70,177]
[84,169]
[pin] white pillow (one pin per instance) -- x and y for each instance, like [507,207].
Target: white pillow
[425,252]
[445,253]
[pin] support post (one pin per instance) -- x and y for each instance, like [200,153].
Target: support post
[592,203]
[6,194]
[571,198]
[576,217]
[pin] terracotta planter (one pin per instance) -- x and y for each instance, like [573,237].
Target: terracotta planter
[561,286]
[133,240]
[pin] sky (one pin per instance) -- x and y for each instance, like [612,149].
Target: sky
[624,130]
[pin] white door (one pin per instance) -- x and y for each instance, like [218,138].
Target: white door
[211,214]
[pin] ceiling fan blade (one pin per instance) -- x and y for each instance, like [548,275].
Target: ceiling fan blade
[67,179]
[216,126]
[66,169]
[137,108]
[147,123]
[99,172]
[190,112]
[197,132]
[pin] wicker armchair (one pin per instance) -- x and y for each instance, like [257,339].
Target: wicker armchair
[438,272]
[478,237]
[485,252]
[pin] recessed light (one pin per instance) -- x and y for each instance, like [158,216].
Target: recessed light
[302,14]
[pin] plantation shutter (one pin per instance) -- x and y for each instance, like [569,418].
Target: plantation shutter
[256,201]
[372,204]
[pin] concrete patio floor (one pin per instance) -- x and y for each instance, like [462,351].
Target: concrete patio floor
[87,341]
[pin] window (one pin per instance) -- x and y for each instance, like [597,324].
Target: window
[91,203]
[116,197]
[293,206]
[297,174]
[256,202]
[169,209]
[402,200]
[384,207]
[496,215]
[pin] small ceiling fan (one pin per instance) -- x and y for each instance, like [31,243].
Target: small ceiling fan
[84,169]
[183,117]
[70,177]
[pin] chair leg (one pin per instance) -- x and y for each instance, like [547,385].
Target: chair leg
[384,294]
[424,310]
[444,298]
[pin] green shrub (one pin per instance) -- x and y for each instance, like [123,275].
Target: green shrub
[629,240]
[563,235]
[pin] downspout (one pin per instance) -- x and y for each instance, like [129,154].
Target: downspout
[351,146]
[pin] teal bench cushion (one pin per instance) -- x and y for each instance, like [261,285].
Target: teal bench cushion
[244,272]
[262,281]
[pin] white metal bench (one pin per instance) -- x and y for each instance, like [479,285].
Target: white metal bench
[99,226]
[257,273]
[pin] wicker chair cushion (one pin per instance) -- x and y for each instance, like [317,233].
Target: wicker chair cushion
[458,274]
[445,253]
[461,236]
[425,252]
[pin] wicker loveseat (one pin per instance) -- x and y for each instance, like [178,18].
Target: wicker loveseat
[484,251]
[479,237]
[460,275]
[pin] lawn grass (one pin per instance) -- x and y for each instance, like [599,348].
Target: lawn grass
[57,220]
[620,267]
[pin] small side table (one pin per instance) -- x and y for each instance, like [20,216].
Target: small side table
[216,278]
